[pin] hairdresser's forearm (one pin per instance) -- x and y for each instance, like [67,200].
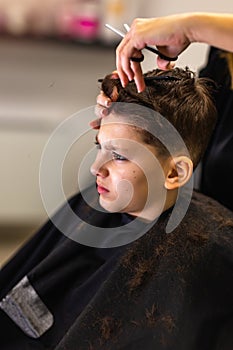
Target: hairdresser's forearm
[210,28]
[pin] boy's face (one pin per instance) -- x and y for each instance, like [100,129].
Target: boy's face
[128,173]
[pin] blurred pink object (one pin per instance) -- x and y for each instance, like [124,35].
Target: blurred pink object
[84,28]
[80,21]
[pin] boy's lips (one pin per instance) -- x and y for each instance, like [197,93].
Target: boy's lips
[101,189]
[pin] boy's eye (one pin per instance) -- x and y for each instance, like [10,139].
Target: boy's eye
[117,156]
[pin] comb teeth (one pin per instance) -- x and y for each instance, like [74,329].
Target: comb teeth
[158,77]
[162,77]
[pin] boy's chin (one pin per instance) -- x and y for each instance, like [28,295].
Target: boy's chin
[111,206]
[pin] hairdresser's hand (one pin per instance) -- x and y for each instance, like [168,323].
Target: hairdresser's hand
[103,104]
[101,109]
[167,33]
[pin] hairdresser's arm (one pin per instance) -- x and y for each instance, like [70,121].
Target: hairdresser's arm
[172,35]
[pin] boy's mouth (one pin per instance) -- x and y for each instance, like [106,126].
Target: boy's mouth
[101,189]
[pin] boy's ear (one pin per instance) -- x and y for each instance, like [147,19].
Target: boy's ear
[180,171]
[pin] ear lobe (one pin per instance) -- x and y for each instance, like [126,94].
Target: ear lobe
[180,172]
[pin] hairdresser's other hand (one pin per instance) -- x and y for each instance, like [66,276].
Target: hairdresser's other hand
[167,33]
[103,102]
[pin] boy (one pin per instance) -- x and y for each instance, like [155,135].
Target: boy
[160,291]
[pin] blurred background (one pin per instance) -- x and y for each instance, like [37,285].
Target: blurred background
[52,53]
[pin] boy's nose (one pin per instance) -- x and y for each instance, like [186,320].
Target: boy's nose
[99,167]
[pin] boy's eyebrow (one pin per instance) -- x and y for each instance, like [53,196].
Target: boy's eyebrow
[108,145]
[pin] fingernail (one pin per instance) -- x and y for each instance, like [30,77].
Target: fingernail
[95,124]
[108,103]
[123,84]
[114,76]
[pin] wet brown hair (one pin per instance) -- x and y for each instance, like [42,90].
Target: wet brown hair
[184,100]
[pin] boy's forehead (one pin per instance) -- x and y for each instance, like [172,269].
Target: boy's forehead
[115,128]
[112,118]
[116,124]
[127,121]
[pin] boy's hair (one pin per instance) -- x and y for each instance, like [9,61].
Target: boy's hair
[185,101]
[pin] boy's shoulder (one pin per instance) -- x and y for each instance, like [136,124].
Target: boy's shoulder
[213,211]
[209,221]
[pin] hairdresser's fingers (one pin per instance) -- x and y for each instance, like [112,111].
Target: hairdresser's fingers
[165,65]
[95,124]
[101,111]
[123,63]
[103,100]
[124,66]
[114,74]
[138,76]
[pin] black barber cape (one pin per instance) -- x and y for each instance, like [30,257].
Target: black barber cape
[163,291]
[217,167]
